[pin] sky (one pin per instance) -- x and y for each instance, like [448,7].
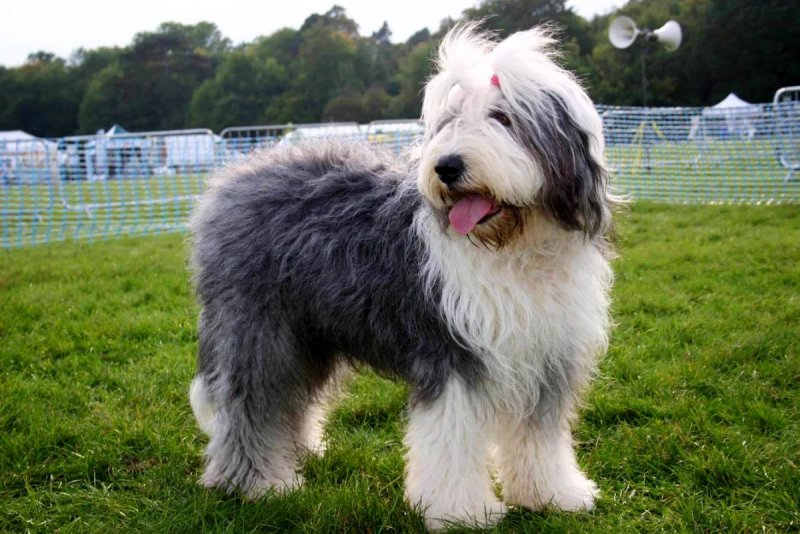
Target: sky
[62,26]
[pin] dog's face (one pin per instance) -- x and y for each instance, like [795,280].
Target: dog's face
[509,134]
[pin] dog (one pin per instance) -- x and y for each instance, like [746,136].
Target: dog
[477,270]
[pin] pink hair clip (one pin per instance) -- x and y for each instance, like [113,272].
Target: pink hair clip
[495,80]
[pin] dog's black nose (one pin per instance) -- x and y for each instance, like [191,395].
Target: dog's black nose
[449,168]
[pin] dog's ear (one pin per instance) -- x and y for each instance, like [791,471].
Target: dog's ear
[574,193]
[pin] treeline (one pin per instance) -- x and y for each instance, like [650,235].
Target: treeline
[183,76]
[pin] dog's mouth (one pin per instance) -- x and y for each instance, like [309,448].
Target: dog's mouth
[471,211]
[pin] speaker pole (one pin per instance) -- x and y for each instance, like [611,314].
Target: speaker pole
[643,56]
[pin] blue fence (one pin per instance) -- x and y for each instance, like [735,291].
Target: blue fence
[144,183]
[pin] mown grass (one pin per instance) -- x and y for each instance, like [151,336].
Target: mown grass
[692,425]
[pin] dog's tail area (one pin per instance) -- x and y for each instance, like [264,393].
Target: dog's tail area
[201,405]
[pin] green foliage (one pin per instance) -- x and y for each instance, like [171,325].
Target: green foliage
[240,92]
[39,97]
[189,75]
[150,85]
[728,46]
[692,424]
[413,71]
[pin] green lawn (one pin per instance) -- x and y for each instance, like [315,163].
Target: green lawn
[692,425]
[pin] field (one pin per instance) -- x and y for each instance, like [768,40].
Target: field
[693,423]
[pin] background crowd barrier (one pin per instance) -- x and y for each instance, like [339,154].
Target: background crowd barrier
[113,183]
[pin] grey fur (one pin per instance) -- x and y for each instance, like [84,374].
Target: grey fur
[304,257]
[575,191]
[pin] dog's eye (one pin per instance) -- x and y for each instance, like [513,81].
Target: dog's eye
[501,117]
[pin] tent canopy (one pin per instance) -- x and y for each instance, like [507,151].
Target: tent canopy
[116,130]
[730,103]
[16,135]
[22,138]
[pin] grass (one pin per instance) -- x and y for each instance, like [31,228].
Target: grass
[692,425]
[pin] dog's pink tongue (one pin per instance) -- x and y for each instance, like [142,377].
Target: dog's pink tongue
[468,211]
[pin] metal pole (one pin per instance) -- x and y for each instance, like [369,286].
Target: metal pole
[646,138]
[644,74]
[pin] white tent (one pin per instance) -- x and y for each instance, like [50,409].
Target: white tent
[731,103]
[26,158]
[732,117]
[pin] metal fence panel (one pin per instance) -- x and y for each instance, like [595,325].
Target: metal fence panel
[101,186]
[133,184]
[704,154]
[787,124]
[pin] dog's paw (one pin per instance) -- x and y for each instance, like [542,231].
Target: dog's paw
[261,487]
[577,495]
[483,515]
[312,447]
[573,493]
[252,488]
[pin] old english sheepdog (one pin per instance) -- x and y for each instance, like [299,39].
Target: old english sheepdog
[476,270]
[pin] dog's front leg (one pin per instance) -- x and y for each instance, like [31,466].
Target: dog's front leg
[447,473]
[537,465]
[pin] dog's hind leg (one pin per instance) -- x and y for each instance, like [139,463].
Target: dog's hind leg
[312,433]
[202,406]
[447,473]
[260,381]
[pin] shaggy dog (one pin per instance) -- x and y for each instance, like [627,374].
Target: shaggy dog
[477,272]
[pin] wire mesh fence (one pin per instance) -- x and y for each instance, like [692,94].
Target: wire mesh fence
[114,184]
[745,154]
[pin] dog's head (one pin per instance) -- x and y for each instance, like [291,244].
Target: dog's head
[510,134]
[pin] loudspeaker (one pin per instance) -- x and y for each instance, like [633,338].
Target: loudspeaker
[622,32]
[669,35]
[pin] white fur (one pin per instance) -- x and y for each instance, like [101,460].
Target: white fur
[284,477]
[531,306]
[525,66]
[518,307]
[537,467]
[201,406]
[312,433]
[447,472]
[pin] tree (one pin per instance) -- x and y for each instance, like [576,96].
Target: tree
[182,75]
[508,16]
[728,46]
[344,109]
[39,97]
[383,35]
[240,92]
[335,19]
[150,86]
[750,48]
[413,72]
[328,66]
